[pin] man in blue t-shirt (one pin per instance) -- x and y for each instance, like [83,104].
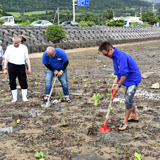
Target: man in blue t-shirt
[127,74]
[56,61]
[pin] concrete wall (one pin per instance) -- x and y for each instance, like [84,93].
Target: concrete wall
[78,37]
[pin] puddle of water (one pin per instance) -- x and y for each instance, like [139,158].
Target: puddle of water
[35,113]
[147,95]
[9,129]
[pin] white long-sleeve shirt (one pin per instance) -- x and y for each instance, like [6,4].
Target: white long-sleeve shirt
[1,52]
[16,55]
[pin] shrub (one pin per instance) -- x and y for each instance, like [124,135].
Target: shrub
[2,21]
[119,22]
[26,23]
[86,23]
[55,33]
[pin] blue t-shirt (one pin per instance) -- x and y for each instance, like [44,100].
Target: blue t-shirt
[125,65]
[56,62]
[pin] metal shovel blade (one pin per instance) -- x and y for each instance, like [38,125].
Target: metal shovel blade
[46,104]
[104,128]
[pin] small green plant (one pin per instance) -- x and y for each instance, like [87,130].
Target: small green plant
[31,75]
[60,94]
[36,83]
[4,99]
[138,156]
[109,84]
[85,80]
[111,110]
[113,76]
[85,86]
[26,23]
[55,33]
[108,94]
[73,79]
[6,83]
[98,80]
[96,97]
[39,155]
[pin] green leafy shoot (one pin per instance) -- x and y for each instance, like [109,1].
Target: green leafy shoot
[113,76]
[6,83]
[109,84]
[60,94]
[36,83]
[74,78]
[4,99]
[138,156]
[96,97]
[85,80]
[31,76]
[98,80]
[85,86]
[39,155]
[108,95]
[9,96]
[111,110]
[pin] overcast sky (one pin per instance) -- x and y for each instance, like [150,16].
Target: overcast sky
[155,1]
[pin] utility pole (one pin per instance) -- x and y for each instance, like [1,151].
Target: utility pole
[141,13]
[74,9]
[154,11]
[58,14]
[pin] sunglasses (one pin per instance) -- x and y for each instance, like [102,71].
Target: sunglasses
[51,56]
[106,54]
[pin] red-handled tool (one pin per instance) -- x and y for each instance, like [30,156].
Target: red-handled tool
[104,128]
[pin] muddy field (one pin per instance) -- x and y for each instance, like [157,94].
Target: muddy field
[70,131]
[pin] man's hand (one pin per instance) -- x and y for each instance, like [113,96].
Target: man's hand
[29,71]
[114,85]
[5,72]
[60,74]
[115,88]
[56,73]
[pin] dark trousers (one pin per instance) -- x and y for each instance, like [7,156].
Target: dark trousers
[17,71]
[1,63]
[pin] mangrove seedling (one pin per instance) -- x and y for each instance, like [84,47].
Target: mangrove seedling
[109,84]
[74,78]
[98,80]
[111,110]
[4,99]
[85,86]
[96,97]
[31,76]
[60,94]
[39,155]
[6,83]
[138,156]
[113,76]
[36,83]
[108,95]
[85,80]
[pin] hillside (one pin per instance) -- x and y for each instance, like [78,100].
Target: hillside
[94,5]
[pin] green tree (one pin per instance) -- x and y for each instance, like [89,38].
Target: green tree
[68,15]
[149,17]
[1,11]
[108,14]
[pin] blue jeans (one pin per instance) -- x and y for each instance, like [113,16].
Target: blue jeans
[129,94]
[63,80]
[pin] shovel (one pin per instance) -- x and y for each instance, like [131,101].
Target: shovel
[104,128]
[48,103]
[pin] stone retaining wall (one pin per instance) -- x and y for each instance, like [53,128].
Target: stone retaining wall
[78,37]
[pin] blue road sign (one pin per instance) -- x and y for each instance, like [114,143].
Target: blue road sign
[83,2]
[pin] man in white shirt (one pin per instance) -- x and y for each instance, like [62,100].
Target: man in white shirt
[15,56]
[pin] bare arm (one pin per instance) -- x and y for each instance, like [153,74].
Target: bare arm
[5,66]
[29,66]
